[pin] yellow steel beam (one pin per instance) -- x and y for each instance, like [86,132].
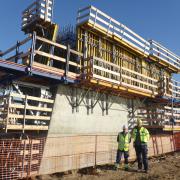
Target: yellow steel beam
[121,88]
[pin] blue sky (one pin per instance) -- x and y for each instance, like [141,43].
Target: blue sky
[152,19]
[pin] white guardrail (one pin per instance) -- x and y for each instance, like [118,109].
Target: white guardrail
[175,89]
[40,9]
[112,27]
[163,53]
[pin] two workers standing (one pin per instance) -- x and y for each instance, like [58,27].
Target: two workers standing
[140,137]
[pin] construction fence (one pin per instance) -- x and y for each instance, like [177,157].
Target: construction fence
[31,157]
[20,158]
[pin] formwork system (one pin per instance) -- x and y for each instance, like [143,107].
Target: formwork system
[23,112]
[118,59]
[121,58]
[109,59]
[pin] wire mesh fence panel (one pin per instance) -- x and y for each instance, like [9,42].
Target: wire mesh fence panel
[31,157]
[11,157]
[177,141]
[20,158]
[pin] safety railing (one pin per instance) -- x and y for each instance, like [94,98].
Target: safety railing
[112,27]
[23,112]
[164,54]
[60,58]
[19,52]
[161,116]
[43,55]
[40,9]
[171,88]
[175,89]
[99,69]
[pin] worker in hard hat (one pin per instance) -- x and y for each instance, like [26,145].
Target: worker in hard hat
[123,139]
[141,137]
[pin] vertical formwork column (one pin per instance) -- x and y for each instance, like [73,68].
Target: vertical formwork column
[33,48]
[85,51]
[67,60]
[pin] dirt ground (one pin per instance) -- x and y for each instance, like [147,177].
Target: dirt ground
[161,168]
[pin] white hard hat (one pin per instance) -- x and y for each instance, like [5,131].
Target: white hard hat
[125,127]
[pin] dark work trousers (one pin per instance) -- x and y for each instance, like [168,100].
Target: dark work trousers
[141,154]
[119,156]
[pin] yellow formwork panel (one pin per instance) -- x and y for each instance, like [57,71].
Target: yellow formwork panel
[114,50]
[103,47]
[171,128]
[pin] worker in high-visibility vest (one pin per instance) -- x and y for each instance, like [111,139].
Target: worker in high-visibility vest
[141,137]
[123,139]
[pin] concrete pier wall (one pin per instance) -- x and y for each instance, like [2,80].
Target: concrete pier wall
[84,128]
[73,112]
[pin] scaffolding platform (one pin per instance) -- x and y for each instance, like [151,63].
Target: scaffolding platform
[27,59]
[38,14]
[19,112]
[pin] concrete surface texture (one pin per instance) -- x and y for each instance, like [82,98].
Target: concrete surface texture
[68,118]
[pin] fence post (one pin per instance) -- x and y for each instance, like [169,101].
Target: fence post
[23,160]
[95,155]
[30,157]
[173,142]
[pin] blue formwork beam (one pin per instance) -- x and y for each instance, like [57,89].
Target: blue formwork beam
[14,72]
[11,67]
[58,78]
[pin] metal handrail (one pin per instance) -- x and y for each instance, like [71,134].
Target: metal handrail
[109,72]
[24,50]
[163,53]
[42,9]
[99,19]
[112,27]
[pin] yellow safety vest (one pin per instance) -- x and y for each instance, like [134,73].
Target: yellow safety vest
[144,134]
[124,140]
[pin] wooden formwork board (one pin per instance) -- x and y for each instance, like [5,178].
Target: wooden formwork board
[27,127]
[15,114]
[164,64]
[19,106]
